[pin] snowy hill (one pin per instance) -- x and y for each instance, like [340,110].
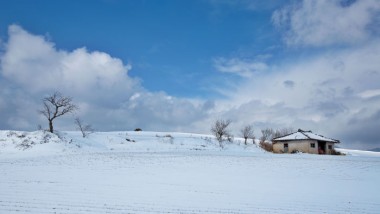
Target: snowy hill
[44,143]
[153,172]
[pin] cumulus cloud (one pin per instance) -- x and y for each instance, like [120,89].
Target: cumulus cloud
[32,62]
[327,22]
[323,93]
[31,67]
[333,92]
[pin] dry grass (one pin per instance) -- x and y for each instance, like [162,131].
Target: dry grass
[267,146]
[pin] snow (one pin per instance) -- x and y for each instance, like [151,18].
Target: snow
[177,173]
[303,135]
[358,152]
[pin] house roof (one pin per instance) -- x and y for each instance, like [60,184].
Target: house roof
[304,135]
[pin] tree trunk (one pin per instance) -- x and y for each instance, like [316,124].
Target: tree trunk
[51,129]
[245,141]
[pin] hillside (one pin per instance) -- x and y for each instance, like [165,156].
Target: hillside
[39,143]
[44,143]
[152,172]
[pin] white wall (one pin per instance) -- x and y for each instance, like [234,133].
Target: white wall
[300,145]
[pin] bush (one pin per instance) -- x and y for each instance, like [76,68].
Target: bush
[230,138]
[266,146]
[138,130]
[334,152]
[166,138]
[25,144]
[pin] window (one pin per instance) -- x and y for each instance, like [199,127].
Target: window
[330,146]
[312,145]
[285,145]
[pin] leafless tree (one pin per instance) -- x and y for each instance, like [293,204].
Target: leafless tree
[266,134]
[247,132]
[86,129]
[282,132]
[55,106]
[219,129]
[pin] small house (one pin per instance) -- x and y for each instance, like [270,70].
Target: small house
[304,141]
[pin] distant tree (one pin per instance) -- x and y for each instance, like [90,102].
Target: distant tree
[282,132]
[247,132]
[266,134]
[219,129]
[138,130]
[55,106]
[85,129]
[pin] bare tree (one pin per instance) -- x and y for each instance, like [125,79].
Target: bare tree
[247,132]
[277,133]
[55,106]
[219,129]
[86,129]
[282,132]
[266,134]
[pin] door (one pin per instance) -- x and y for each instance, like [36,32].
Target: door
[321,147]
[286,148]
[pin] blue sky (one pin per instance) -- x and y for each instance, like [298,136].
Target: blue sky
[174,41]
[179,65]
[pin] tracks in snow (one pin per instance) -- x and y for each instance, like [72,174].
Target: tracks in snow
[172,183]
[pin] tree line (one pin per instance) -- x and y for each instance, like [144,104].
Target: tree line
[220,130]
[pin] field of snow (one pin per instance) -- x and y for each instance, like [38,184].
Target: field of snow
[149,172]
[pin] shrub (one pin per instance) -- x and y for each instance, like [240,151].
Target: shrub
[130,140]
[267,146]
[166,138]
[230,138]
[138,130]
[25,144]
[334,152]
[295,151]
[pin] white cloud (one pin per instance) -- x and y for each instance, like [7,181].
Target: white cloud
[370,93]
[327,22]
[322,97]
[32,62]
[333,92]
[32,67]
[328,93]
[244,68]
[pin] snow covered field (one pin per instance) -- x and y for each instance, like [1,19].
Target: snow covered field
[176,173]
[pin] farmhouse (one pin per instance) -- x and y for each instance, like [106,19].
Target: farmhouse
[303,141]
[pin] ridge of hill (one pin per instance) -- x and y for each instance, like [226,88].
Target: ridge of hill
[40,142]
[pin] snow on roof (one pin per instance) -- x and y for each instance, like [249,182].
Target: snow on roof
[304,135]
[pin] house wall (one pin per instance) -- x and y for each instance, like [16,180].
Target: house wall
[328,151]
[300,145]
